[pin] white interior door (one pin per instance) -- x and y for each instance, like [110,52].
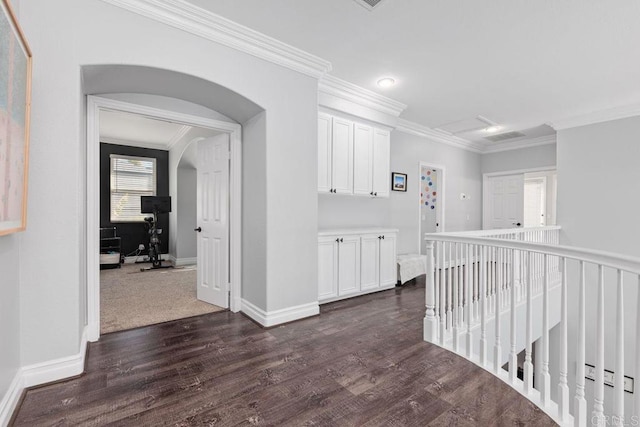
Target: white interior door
[213,220]
[505,201]
[535,196]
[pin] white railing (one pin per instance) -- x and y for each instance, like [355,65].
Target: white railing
[488,298]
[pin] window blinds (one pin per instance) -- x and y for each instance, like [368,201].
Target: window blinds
[131,177]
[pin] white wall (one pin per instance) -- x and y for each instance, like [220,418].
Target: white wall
[52,307]
[524,158]
[186,245]
[9,311]
[401,210]
[598,205]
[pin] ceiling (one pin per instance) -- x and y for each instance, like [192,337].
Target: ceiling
[517,63]
[140,131]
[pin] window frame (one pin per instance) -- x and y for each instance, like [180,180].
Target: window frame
[114,156]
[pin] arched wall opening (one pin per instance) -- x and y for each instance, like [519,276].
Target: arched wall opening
[169,95]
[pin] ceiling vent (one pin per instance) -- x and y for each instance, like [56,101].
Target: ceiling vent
[504,136]
[368,4]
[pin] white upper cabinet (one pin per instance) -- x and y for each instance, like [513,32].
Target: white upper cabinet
[342,156]
[324,153]
[353,158]
[363,159]
[381,160]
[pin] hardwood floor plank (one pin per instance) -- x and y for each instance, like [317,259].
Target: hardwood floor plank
[361,362]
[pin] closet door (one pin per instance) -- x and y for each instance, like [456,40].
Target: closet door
[363,160]
[342,156]
[381,161]
[324,153]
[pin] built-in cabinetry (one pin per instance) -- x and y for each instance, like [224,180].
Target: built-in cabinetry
[353,157]
[355,262]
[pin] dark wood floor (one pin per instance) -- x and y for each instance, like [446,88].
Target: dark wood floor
[361,362]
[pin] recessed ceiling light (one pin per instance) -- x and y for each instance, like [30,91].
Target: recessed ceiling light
[386,82]
[492,129]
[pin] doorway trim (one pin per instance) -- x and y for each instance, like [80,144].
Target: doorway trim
[95,104]
[440,209]
[485,187]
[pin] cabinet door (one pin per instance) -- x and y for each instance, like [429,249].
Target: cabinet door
[342,156]
[349,265]
[369,261]
[324,153]
[388,270]
[362,159]
[381,161]
[327,268]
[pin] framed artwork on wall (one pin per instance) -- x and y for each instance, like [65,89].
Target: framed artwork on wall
[398,181]
[15,108]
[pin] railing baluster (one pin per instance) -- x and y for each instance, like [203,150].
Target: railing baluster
[546,377]
[483,305]
[580,403]
[563,385]
[598,404]
[513,356]
[461,285]
[528,366]
[449,289]
[438,248]
[456,286]
[469,300]
[636,395]
[430,320]
[443,294]
[497,349]
[618,376]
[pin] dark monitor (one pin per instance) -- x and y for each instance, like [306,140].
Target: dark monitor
[155,204]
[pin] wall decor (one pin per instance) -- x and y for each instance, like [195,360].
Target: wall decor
[398,181]
[15,106]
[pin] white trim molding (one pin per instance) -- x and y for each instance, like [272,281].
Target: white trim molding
[182,261]
[439,136]
[203,23]
[523,143]
[607,115]
[342,89]
[277,317]
[10,400]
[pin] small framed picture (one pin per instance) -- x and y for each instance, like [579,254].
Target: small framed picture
[398,181]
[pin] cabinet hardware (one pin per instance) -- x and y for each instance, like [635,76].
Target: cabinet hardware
[382,237]
[375,194]
[341,240]
[371,193]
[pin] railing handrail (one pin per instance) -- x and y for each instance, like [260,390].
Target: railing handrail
[502,231]
[608,259]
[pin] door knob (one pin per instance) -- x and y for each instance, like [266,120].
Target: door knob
[199,229]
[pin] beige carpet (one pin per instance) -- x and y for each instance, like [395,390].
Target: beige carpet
[130,298]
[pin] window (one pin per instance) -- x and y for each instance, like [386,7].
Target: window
[131,177]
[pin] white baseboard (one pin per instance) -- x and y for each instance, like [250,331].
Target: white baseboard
[182,261]
[277,317]
[42,373]
[11,399]
[57,369]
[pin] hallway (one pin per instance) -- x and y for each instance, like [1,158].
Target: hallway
[361,362]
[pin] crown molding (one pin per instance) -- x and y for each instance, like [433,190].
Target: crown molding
[181,133]
[342,89]
[517,145]
[439,136]
[139,144]
[607,115]
[203,23]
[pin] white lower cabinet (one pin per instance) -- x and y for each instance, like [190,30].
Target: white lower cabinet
[355,262]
